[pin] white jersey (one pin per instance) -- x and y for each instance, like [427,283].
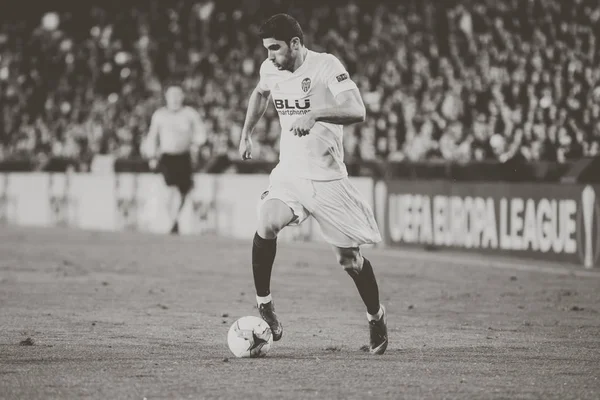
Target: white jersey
[174,131]
[314,85]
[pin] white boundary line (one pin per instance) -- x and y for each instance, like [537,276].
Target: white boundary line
[480,260]
[475,260]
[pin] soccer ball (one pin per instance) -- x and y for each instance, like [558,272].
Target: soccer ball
[249,337]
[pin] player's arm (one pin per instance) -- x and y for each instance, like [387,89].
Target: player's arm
[515,146]
[198,129]
[349,110]
[257,105]
[151,143]
[199,134]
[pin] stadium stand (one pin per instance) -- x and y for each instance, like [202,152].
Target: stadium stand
[488,82]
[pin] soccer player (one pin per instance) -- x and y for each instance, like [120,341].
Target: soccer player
[175,133]
[315,97]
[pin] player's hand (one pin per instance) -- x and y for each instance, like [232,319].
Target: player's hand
[245,148]
[303,125]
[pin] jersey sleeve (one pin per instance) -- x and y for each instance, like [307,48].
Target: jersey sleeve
[263,83]
[337,78]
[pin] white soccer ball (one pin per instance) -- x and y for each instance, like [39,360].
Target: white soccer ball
[249,337]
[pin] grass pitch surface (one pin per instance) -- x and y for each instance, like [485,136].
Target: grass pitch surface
[133,316]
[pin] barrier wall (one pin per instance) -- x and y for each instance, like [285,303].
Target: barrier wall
[554,222]
[222,204]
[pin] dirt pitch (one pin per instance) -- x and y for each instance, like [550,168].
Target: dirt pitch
[132,316]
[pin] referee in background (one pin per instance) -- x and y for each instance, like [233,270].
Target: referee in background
[176,131]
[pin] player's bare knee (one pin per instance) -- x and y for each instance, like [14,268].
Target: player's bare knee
[274,216]
[270,225]
[351,262]
[269,229]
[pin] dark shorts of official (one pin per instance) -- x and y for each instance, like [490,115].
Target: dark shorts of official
[177,170]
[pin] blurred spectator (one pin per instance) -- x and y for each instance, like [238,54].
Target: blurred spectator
[459,81]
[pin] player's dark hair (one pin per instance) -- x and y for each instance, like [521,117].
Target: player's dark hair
[281,27]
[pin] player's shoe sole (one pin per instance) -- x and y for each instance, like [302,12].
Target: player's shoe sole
[267,312]
[378,334]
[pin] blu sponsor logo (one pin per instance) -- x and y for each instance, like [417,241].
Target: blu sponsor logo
[292,107]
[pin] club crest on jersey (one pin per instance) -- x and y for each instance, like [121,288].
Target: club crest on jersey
[305,84]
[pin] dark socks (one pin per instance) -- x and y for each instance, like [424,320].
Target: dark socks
[263,256]
[367,287]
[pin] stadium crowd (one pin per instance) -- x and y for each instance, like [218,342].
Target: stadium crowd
[473,80]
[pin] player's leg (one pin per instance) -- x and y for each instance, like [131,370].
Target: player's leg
[361,272]
[183,179]
[171,197]
[173,204]
[273,216]
[347,222]
[181,195]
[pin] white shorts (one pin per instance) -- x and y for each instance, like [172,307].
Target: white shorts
[345,218]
